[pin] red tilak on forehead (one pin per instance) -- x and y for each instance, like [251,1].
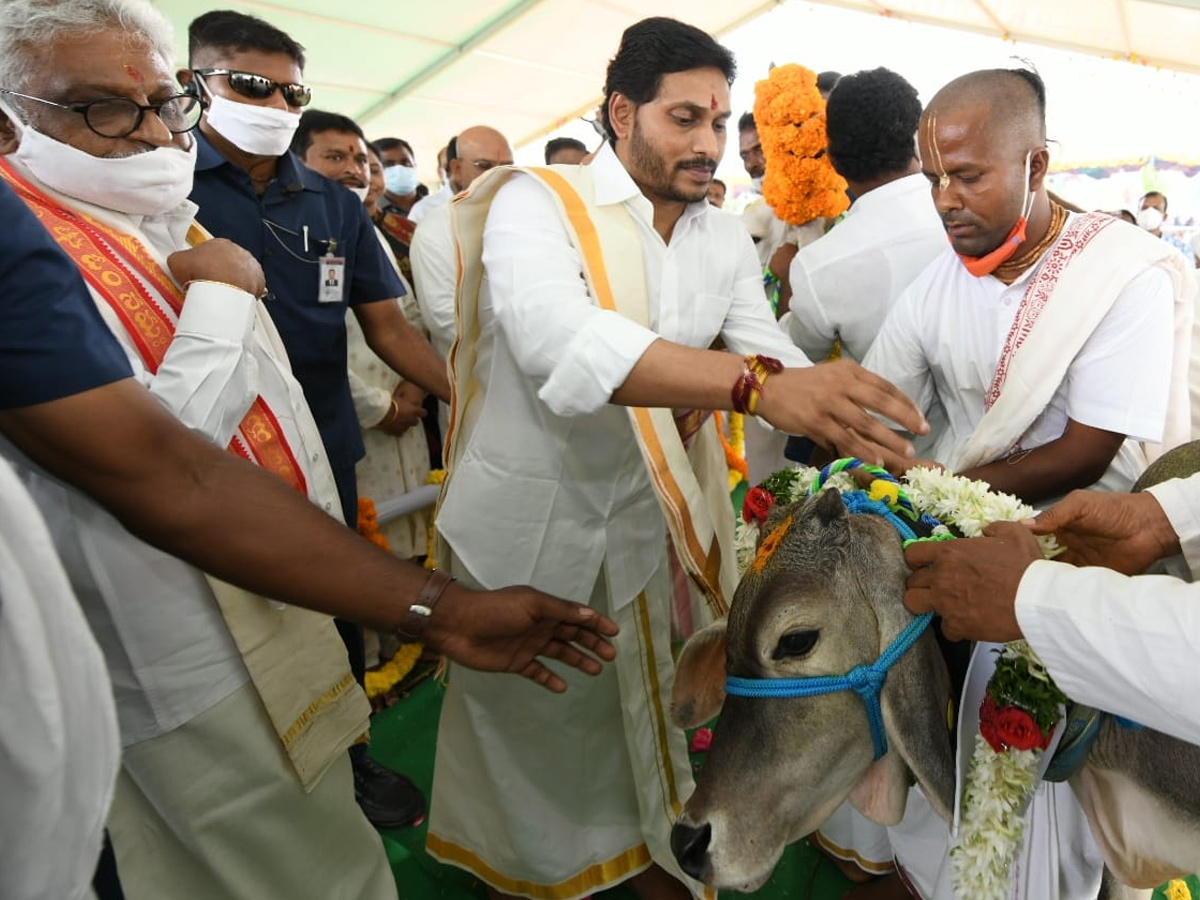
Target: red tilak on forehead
[133,73]
[712,104]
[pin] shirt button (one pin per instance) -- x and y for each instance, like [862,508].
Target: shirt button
[329,506]
[316,456]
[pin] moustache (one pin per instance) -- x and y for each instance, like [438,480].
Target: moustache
[699,162]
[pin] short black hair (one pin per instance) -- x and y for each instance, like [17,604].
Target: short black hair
[314,121]
[871,120]
[384,144]
[826,81]
[451,149]
[746,123]
[721,183]
[229,30]
[656,47]
[563,143]
[1146,196]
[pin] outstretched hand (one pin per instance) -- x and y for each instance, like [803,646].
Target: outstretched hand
[1125,532]
[509,629]
[831,403]
[972,582]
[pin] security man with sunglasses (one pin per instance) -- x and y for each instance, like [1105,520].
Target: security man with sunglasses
[320,255]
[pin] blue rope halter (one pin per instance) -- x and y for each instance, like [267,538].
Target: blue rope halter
[866,681]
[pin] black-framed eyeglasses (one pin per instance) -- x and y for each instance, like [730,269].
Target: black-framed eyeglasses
[259,87]
[118,117]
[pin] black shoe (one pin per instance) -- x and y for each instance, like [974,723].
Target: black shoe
[388,799]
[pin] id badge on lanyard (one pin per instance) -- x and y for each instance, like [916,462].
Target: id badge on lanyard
[331,275]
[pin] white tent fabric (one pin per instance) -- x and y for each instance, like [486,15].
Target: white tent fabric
[425,70]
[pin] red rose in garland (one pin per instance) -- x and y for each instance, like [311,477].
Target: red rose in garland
[988,713]
[1017,729]
[757,505]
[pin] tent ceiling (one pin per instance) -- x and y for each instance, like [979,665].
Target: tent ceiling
[418,70]
[423,71]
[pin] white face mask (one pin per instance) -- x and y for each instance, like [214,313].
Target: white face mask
[1150,218]
[145,184]
[359,192]
[400,180]
[261,130]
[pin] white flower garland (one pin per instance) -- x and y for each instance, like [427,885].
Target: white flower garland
[998,784]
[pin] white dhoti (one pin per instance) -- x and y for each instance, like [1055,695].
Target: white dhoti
[556,796]
[213,809]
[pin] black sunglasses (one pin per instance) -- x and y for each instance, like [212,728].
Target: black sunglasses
[258,87]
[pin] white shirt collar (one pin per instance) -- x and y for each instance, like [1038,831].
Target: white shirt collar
[908,184]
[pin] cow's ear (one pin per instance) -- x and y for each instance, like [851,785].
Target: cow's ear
[916,704]
[915,700]
[699,689]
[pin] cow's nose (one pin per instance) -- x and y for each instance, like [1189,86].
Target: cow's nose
[690,846]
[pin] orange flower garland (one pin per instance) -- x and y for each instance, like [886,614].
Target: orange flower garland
[380,680]
[800,184]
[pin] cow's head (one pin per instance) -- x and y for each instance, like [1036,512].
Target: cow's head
[822,596]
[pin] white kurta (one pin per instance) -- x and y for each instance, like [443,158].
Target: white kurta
[942,343]
[1124,645]
[168,648]
[170,654]
[435,274]
[393,465]
[943,340]
[844,284]
[427,204]
[59,747]
[539,794]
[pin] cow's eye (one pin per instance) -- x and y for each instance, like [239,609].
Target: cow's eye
[795,643]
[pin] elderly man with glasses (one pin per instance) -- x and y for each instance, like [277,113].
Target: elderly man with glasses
[234,711]
[320,255]
[96,138]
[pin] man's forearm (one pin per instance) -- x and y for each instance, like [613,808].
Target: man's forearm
[672,375]
[407,352]
[223,515]
[1076,460]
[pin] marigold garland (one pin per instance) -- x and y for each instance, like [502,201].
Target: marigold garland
[382,679]
[800,183]
[734,447]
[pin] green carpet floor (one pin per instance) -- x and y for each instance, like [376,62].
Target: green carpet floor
[403,738]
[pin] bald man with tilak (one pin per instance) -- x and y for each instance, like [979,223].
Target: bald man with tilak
[1050,341]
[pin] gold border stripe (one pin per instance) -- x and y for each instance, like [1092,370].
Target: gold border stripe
[601,875]
[845,854]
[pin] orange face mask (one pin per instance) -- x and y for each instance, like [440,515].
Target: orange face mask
[980,266]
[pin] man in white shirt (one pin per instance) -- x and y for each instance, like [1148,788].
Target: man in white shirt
[445,192]
[435,268]
[844,284]
[1039,396]
[554,385]
[203,673]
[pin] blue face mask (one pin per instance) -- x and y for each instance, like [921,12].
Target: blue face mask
[400,180]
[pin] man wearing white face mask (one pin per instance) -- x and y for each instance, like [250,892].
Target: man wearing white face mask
[251,189]
[95,138]
[1056,343]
